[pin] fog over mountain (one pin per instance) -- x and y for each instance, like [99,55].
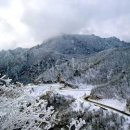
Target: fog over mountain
[28,23]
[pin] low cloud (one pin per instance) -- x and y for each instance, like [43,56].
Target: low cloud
[27,23]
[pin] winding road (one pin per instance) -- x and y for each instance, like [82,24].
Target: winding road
[76,93]
[88,99]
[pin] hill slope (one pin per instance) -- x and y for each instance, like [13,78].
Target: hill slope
[108,70]
[25,65]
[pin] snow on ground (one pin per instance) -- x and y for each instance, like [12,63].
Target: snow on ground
[37,90]
[32,92]
[80,104]
[120,105]
[74,93]
[85,86]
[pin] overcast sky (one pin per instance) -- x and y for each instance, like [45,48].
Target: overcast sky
[25,23]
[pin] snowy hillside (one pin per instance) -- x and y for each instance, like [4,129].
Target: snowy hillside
[25,65]
[51,106]
[108,70]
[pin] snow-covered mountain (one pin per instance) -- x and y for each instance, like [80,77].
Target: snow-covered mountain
[25,65]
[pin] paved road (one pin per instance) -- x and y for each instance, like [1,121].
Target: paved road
[105,106]
[88,99]
[92,101]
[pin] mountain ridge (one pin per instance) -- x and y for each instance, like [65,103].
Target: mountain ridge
[25,65]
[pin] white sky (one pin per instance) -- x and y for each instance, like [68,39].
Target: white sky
[25,23]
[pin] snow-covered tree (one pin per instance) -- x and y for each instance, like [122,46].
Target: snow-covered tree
[77,124]
[5,81]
